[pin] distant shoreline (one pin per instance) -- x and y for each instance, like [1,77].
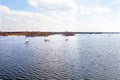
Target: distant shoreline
[33,34]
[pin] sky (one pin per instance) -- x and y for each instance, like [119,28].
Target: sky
[60,15]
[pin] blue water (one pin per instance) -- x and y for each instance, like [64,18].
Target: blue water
[82,57]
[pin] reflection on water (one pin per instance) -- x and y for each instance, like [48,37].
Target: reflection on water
[81,57]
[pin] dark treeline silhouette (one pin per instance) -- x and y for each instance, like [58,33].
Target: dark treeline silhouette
[68,33]
[26,33]
[32,33]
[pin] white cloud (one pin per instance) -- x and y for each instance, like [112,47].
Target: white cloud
[55,6]
[22,20]
[93,10]
[116,2]
[12,20]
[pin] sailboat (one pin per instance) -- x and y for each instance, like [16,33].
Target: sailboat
[46,40]
[66,39]
[26,40]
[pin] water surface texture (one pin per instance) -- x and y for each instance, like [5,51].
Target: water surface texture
[82,57]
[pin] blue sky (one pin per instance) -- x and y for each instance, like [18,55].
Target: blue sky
[18,5]
[60,15]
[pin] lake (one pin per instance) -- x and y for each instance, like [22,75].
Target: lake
[81,57]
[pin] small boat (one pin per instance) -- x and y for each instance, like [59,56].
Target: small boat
[46,40]
[26,39]
[66,39]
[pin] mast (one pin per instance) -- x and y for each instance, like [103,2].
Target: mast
[26,40]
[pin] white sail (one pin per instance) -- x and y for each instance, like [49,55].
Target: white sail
[27,39]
